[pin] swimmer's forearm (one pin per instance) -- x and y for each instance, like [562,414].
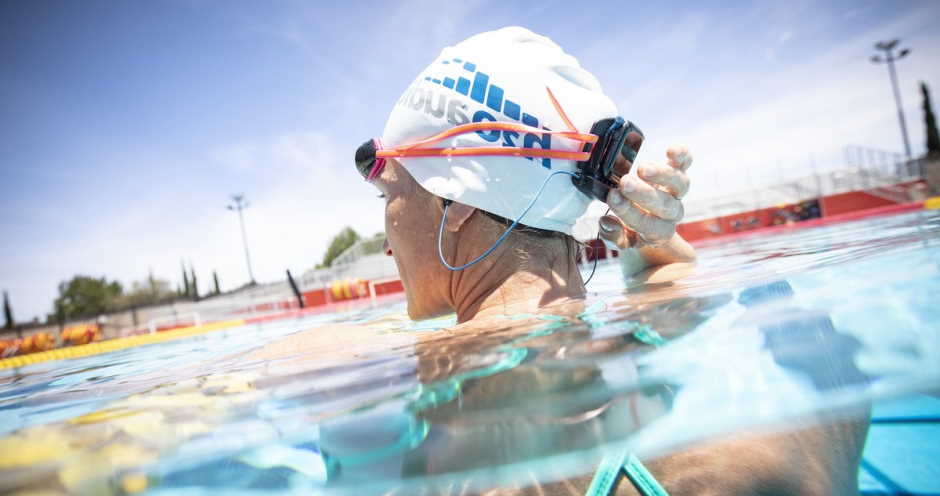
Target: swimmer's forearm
[676,250]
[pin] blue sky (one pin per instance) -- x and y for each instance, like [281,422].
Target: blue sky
[126,125]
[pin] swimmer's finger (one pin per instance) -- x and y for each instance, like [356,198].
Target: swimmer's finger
[614,233]
[652,229]
[655,201]
[673,181]
[679,157]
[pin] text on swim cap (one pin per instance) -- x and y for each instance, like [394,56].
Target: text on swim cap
[451,105]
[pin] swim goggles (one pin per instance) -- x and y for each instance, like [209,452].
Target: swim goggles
[595,161]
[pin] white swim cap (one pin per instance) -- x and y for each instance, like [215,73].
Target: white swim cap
[501,76]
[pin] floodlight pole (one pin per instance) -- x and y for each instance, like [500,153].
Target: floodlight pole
[889,57]
[240,204]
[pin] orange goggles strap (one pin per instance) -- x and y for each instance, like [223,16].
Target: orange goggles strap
[497,126]
[481,151]
[412,150]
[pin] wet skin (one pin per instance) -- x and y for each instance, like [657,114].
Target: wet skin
[819,458]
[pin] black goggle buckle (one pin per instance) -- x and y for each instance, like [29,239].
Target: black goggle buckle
[596,175]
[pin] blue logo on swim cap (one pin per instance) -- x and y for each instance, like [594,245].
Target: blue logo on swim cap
[481,91]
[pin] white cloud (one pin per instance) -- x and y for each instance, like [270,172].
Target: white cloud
[745,124]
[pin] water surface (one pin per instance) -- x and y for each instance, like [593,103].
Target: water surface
[766,331]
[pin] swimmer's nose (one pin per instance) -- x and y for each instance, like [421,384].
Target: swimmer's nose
[386,248]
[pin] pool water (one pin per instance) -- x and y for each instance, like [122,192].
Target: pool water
[766,332]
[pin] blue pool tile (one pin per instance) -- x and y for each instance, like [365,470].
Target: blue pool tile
[904,456]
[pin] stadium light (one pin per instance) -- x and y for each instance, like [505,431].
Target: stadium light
[240,204]
[889,57]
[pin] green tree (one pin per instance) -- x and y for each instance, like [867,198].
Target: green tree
[84,296]
[933,137]
[346,238]
[148,292]
[7,312]
[215,279]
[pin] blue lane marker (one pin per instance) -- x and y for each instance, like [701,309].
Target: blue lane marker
[885,480]
[906,420]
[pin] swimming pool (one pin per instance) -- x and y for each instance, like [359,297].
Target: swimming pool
[767,330]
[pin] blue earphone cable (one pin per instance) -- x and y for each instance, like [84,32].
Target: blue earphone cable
[502,237]
[594,268]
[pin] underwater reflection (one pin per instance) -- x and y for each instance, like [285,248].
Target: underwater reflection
[529,388]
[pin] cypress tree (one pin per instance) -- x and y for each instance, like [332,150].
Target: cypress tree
[185,280]
[7,312]
[215,279]
[933,137]
[152,285]
[193,283]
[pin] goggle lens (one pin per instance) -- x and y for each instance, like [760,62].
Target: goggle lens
[365,158]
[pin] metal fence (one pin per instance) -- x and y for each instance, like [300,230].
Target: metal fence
[360,249]
[865,169]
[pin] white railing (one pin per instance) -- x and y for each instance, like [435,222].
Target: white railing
[258,300]
[864,170]
[373,266]
[362,248]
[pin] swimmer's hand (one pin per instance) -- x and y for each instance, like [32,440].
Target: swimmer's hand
[648,207]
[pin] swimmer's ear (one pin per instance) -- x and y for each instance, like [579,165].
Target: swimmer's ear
[457,215]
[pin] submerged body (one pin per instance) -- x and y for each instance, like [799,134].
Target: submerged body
[197,422]
[562,397]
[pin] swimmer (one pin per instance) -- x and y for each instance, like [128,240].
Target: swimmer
[480,224]
[533,265]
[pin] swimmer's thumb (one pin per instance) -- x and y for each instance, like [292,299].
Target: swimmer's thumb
[614,233]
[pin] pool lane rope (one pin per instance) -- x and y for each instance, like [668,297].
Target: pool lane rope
[110,345]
